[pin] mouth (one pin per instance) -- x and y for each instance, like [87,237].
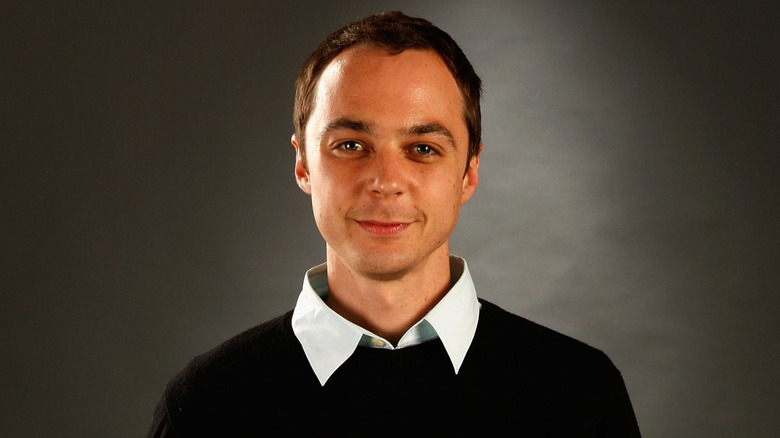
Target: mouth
[383,228]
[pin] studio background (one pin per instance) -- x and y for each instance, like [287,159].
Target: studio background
[628,195]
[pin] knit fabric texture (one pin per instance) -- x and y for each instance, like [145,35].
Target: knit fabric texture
[518,379]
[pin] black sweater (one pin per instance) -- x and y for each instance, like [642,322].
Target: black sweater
[518,379]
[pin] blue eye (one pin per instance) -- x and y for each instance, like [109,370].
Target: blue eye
[424,149]
[351,146]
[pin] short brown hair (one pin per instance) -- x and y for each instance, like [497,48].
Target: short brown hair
[396,32]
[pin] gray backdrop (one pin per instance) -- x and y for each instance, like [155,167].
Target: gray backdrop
[628,195]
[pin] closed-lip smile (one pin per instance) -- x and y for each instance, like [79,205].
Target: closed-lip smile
[383,228]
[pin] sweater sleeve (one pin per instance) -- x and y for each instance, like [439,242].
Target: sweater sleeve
[619,420]
[161,425]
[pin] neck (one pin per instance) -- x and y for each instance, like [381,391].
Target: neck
[388,305]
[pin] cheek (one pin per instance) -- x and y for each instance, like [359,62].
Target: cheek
[327,198]
[447,198]
[456,191]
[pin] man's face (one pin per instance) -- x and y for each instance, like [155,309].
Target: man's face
[386,146]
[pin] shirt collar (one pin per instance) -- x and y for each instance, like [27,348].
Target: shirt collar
[328,339]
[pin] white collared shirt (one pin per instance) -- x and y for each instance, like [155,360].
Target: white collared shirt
[328,339]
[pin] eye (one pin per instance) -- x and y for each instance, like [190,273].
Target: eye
[423,149]
[350,146]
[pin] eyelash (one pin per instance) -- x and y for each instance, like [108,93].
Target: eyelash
[343,145]
[431,150]
[414,149]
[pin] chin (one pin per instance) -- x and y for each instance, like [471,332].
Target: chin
[383,267]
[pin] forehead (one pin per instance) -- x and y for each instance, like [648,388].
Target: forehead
[369,81]
[364,64]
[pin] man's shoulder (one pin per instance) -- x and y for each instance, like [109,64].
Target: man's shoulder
[558,384]
[247,371]
[518,338]
[253,349]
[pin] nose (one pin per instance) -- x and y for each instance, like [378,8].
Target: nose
[387,175]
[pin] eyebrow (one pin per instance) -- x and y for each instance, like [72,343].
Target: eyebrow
[412,131]
[348,124]
[431,128]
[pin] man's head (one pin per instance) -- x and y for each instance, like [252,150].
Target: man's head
[387,140]
[394,32]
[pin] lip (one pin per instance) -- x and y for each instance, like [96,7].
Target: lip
[383,228]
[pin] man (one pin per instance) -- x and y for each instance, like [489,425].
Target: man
[388,336]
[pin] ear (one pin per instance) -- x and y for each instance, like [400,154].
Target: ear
[471,178]
[301,172]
